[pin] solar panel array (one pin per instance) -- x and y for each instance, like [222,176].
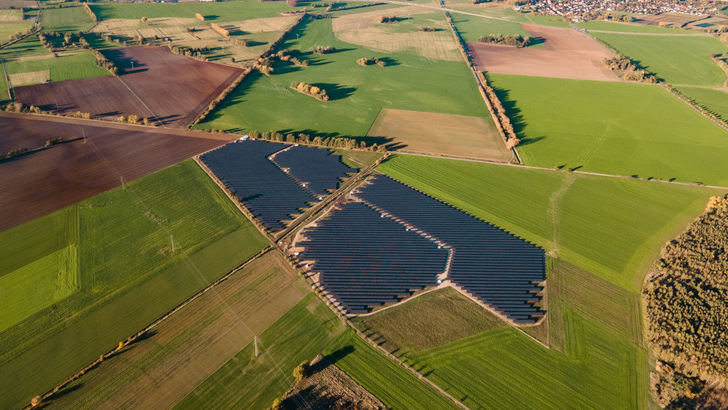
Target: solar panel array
[366,259]
[500,269]
[268,192]
[320,169]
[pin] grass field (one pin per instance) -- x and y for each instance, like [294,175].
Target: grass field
[714,99]
[204,335]
[629,28]
[553,21]
[66,19]
[216,12]
[410,327]
[631,129]
[611,227]
[357,93]
[127,277]
[471,28]
[11,28]
[358,159]
[678,60]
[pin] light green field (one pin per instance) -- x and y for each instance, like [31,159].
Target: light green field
[630,129]
[553,21]
[681,60]
[714,99]
[65,19]
[629,28]
[471,28]
[37,285]
[11,28]
[506,13]
[216,12]
[611,227]
[357,93]
[128,276]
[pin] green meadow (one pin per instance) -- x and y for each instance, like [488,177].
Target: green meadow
[66,19]
[612,227]
[357,93]
[553,21]
[216,12]
[471,28]
[679,60]
[138,252]
[630,129]
[714,99]
[629,27]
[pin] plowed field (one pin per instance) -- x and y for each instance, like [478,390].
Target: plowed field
[153,83]
[39,183]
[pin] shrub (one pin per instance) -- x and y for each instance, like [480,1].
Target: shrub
[509,40]
[301,371]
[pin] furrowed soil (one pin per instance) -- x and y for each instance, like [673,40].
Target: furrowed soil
[179,354]
[568,54]
[153,83]
[44,181]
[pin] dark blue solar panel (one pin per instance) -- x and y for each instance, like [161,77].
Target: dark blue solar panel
[366,260]
[491,264]
[320,169]
[269,193]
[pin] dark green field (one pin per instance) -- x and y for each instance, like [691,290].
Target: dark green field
[126,277]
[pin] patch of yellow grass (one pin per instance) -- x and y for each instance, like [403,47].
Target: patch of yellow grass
[29,78]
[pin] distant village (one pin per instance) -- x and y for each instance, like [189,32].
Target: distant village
[585,9]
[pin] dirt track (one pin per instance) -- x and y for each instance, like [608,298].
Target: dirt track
[568,54]
[42,182]
[154,83]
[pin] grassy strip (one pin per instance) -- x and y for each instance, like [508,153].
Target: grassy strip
[215,12]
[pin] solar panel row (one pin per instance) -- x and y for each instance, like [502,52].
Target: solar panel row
[320,169]
[500,269]
[367,260]
[272,195]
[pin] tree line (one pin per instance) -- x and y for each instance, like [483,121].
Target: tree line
[630,70]
[686,308]
[308,89]
[371,60]
[509,40]
[306,139]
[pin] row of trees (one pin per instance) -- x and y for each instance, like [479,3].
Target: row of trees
[324,50]
[369,61]
[292,56]
[686,305]
[104,62]
[308,89]
[90,12]
[194,52]
[220,30]
[386,19]
[500,112]
[509,40]
[134,119]
[306,139]
[21,34]
[222,96]
[630,70]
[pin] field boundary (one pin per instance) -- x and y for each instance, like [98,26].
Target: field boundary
[129,340]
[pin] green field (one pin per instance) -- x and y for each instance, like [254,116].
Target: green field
[219,12]
[628,27]
[357,93]
[506,13]
[65,19]
[11,28]
[553,21]
[679,60]
[630,129]
[471,28]
[714,99]
[611,227]
[410,327]
[127,277]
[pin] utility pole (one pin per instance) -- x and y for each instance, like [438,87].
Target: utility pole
[83,132]
[122,182]
[171,239]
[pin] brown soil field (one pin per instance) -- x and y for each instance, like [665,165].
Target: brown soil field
[403,36]
[669,19]
[154,83]
[440,134]
[162,368]
[328,387]
[44,181]
[568,54]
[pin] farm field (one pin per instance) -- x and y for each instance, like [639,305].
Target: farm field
[357,93]
[551,21]
[629,27]
[409,327]
[611,227]
[215,12]
[66,19]
[675,20]
[617,134]
[258,33]
[147,83]
[714,99]
[440,134]
[567,54]
[679,60]
[203,336]
[403,36]
[126,279]
[471,28]
[63,174]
